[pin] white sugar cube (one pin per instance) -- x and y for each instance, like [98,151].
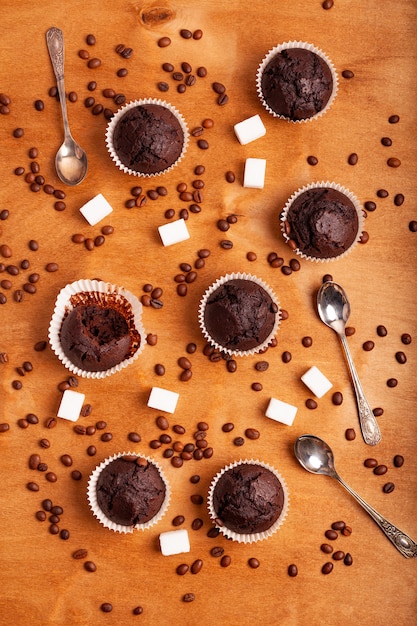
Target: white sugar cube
[316,381]
[96,209]
[71,405]
[174,542]
[254,176]
[163,399]
[173,232]
[281,411]
[250,129]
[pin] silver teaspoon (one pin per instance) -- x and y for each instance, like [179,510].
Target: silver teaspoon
[71,160]
[317,457]
[334,310]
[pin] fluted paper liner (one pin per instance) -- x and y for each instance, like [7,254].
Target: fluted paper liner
[248,537]
[120,113]
[98,513]
[306,46]
[95,292]
[220,281]
[328,185]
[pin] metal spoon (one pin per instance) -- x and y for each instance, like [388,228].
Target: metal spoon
[71,160]
[316,457]
[334,310]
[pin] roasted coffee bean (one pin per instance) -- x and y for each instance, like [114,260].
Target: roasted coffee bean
[307,342]
[337,398]
[76,475]
[178,520]
[159,369]
[228,427]
[40,516]
[134,437]
[32,486]
[388,487]
[218,88]
[188,597]
[51,477]
[350,434]
[398,460]
[182,569]
[326,548]
[197,523]
[196,566]
[253,563]
[252,433]
[347,531]
[368,346]
[106,437]
[381,331]
[399,199]
[312,160]
[90,566]
[380,470]
[292,570]
[34,461]
[370,206]
[217,551]
[338,525]
[106,607]
[32,418]
[393,162]
[64,534]
[378,412]
[327,568]
[393,119]
[331,534]
[177,461]
[392,382]
[226,560]
[327,4]
[311,404]
[370,463]
[353,158]
[4,427]
[406,339]
[39,105]
[138,610]
[348,559]
[203,144]
[401,357]
[91,450]
[339,555]
[231,366]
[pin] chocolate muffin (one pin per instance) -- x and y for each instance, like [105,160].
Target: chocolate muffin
[130,490]
[95,338]
[248,498]
[239,315]
[148,138]
[321,223]
[296,83]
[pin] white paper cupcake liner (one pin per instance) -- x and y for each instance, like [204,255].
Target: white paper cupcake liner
[135,103]
[248,537]
[220,281]
[318,185]
[98,513]
[305,46]
[95,292]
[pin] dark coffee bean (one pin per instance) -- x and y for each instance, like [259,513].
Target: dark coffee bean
[370,206]
[327,568]
[188,597]
[91,450]
[399,199]
[368,346]
[401,357]
[4,427]
[32,418]
[370,463]
[182,569]
[177,461]
[378,412]
[178,520]
[106,437]
[392,382]
[222,99]
[348,74]
[388,488]
[340,525]
[90,566]
[350,434]
[39,105]
[393,162]
[292,570]
[228,427]
[348,559]
[197,34]
[252,433]
[106,607]
[393,119]
[312,160]
[381,331]
[307,342]
[197,523]
[353,158]
[380,470]
[327,4]
[34,461]
[238,441]
[398,460]
[217,551]
[64,534]
[326,548]
[76,475]
[331,534]
[196,566]
[81,553]
[253,563]
[40,516]
[311,404]
[339,555]
[32,486]
[406,339]
[226,560]
[218,88]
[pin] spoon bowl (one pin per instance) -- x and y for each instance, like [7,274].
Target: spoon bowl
[316,456]
[334,310]
[71,160]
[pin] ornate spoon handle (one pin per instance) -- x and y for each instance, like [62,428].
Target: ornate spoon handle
[369,426]
[55,43]
[400,540]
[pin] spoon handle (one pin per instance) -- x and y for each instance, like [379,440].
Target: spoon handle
[400,540]
[55,43]
[369,426]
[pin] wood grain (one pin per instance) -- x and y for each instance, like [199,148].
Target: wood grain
[41,582]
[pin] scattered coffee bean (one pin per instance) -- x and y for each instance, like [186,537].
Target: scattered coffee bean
[311,404]
[312,160]
[196,566]
[393,119]
[380,470]
[388,487]
[398,460]
[381,331]
[393,162]
[339,555]
[188,597]
[370,463]
[253,563]
[307,342]
[182,569]
[337,398]
[90,566]
[292,570]
[350,434]
[226,560]
[326,548]
[368,346]
[331,534]
[392,382]
[252,433]
[327,568]
[406,339]
[353,158]
[164,42]
[106,607]
[401,357]
[348,74]
[348,560]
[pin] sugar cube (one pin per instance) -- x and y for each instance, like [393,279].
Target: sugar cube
[96,209]
[71,405]
[254,176]
[281,411]
[316,381]
[173,232]
[163,399]
[250,129]
[174,542]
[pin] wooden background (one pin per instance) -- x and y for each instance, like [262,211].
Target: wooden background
[41,583]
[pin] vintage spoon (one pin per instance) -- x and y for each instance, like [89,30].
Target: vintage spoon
[316,457]
[334,310]
[71,160]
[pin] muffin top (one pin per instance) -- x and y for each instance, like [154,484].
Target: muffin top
[322,222]
[95,338]
[130,490]
[296,83]
[240,314]
[148,138]
[248,498]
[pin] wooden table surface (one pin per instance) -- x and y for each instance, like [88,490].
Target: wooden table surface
[42,584]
